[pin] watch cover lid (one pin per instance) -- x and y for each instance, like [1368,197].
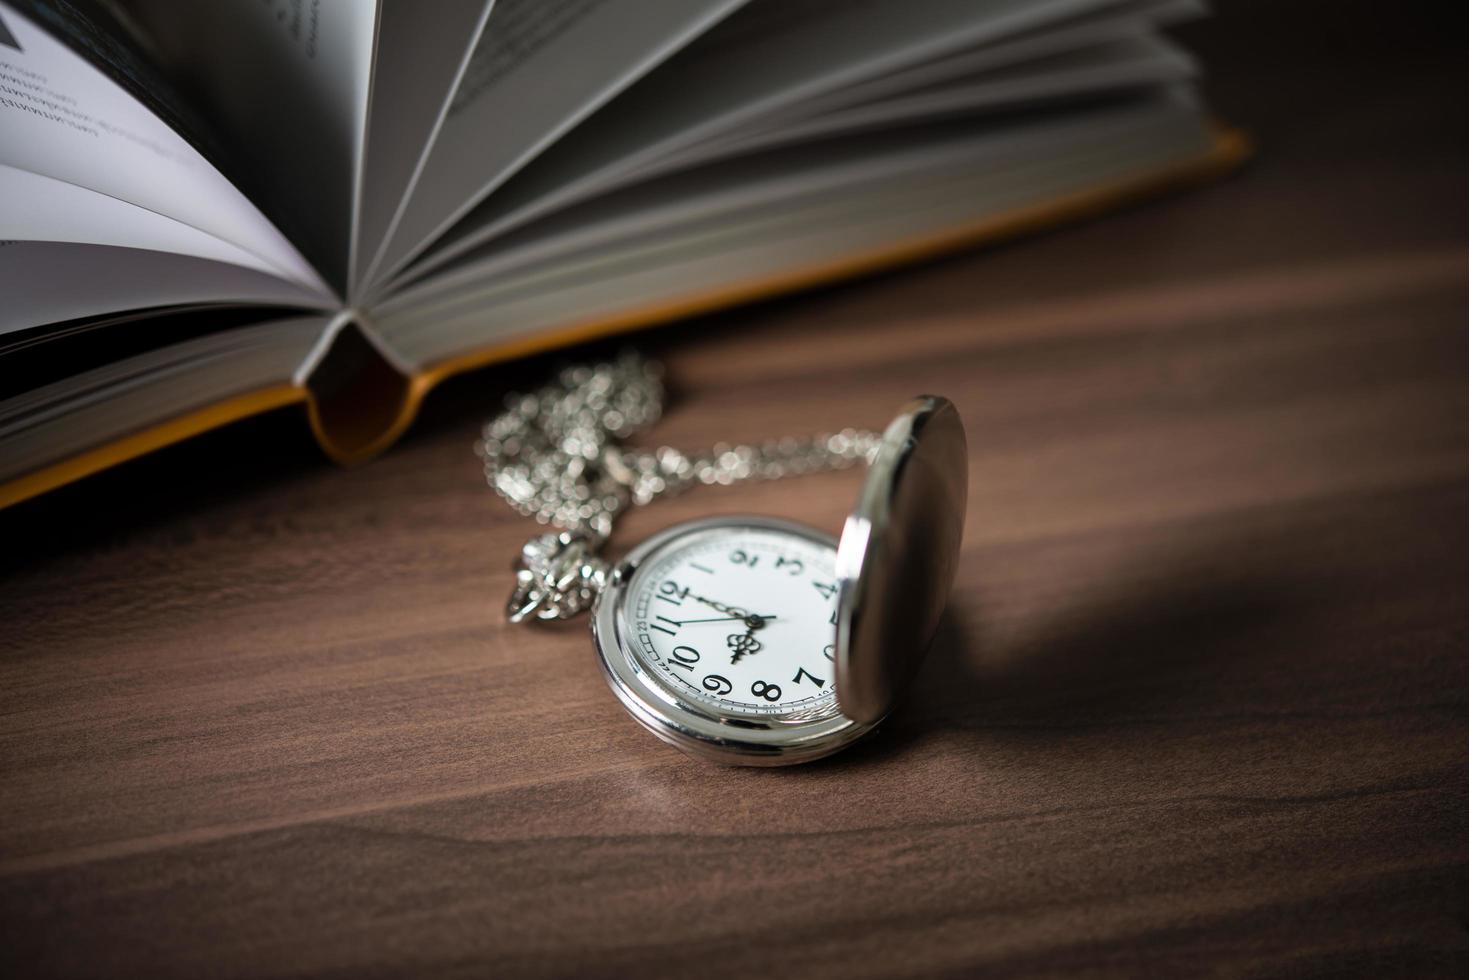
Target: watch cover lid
[897,556]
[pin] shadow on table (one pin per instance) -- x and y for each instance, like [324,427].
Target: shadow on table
[259,463]
[1131,648]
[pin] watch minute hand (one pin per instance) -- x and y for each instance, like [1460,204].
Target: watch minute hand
[725,619]
[753,620]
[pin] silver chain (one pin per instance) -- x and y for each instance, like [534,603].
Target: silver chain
[556,455]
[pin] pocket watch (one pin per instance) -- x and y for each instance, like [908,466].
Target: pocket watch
[744,640]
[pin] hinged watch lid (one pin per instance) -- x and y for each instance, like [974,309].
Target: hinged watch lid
[897,556]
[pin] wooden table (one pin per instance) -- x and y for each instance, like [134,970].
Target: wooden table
[1201,704]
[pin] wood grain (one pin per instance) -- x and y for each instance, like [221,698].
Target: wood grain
[1200,707]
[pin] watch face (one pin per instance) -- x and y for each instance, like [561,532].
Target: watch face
[717,637]
[739,618]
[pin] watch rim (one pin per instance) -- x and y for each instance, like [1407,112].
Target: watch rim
[921,463]
[689,726]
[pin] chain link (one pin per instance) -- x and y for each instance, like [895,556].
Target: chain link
[556,455]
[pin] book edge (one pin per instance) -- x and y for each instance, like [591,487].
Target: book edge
[1231,148]
[147,440]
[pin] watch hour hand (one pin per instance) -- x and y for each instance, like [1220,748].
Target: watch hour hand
[752,620]
[734,611]
[743,644]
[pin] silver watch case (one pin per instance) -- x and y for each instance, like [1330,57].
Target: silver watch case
[895,566]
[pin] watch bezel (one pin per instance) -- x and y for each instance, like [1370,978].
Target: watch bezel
[694,727]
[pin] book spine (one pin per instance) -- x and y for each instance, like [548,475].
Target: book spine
[359,397]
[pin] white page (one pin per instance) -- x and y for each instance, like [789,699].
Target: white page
[539,68]
[64,119]
[755,236]
[1135,18]
[45,209]
[755,64]
[155,368]
[1130,63]
[793,177]
[55,422]
[287,82]
[421,53]
[49,282]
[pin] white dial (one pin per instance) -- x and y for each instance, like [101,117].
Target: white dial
[741,618]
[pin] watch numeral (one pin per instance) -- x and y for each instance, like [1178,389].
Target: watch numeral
[670,592]
[827,591]
[685,657]
[796,565]
[739,557]
[833,620]
[664,629]
[769,692]
[803,672]
[717,684]
[829,652]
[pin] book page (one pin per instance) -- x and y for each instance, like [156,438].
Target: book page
[759,61]
[824,170]
[76,413]
[1085,74]
[421,53]
[287,81]
[64,120]
[540,67]
[1111,23]
[46,209]
[52,282]
[666,247]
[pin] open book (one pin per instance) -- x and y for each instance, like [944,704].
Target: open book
[212,209]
